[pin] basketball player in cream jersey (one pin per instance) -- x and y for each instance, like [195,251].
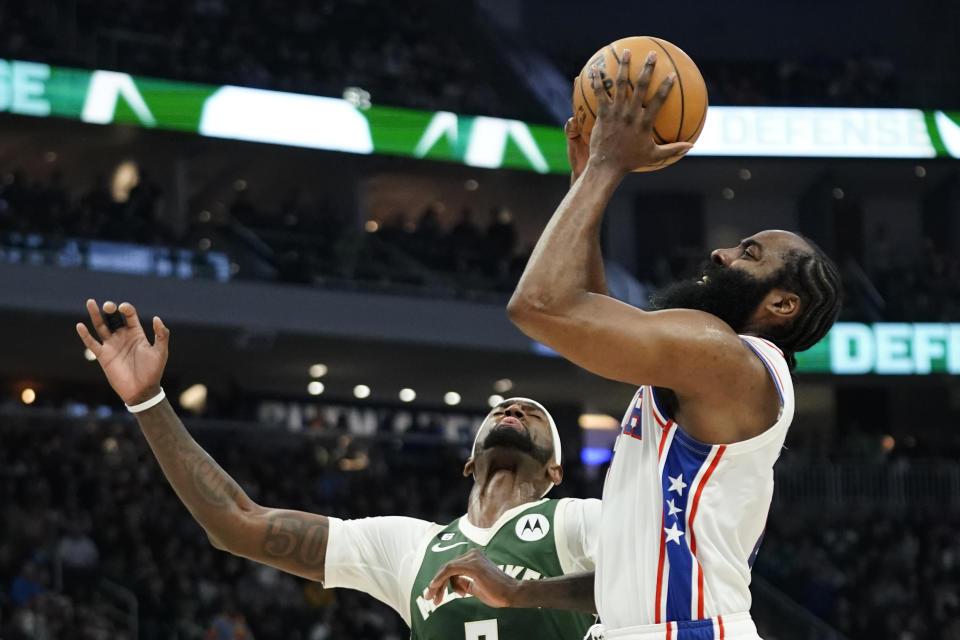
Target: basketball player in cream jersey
[686,499]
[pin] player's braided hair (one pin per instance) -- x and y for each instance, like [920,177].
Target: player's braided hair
[815,278]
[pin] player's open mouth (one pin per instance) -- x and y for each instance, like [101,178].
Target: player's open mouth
[703,280]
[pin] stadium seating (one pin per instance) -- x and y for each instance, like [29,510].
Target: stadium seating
[92,522]
[410,253]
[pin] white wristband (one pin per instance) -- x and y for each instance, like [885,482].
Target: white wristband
[147,404]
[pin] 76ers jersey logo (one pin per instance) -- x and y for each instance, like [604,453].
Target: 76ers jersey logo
[631,424]
[532,527]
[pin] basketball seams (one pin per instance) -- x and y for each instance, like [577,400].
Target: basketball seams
[610,56]
[679,83]
[613,52]
[586,102]
[696,132]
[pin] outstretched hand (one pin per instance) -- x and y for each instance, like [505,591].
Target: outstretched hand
[132,365]
[473,574]
[623,134]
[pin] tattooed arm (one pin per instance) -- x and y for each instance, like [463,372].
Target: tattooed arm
[292,541]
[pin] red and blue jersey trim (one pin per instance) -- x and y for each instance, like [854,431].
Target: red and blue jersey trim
[632,424]
[773,370]
[709,629]
[686,461]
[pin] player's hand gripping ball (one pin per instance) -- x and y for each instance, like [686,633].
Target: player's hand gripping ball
[684,112]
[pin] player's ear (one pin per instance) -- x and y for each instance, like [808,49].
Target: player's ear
[781,305]
[555,473]
[468,468]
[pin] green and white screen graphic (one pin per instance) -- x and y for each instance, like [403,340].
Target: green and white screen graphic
[334,124]
[888,348]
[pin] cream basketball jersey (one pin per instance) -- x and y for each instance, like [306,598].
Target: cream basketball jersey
[682,521]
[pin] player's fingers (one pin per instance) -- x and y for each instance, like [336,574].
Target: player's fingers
[439,579]
[667,151]
[623,78]
[129,315]
[643,80]
[577,90]
[438,585]
[97,320]
[160,330]
[88,340]
[161,336]
[109,306]
[462,585]
[653,108]
[599,91]
[572,128]
[429,594]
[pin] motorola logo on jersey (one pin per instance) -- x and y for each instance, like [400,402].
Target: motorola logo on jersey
[446,537]
[532,527]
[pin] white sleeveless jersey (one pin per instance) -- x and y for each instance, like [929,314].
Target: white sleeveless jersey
[681,521]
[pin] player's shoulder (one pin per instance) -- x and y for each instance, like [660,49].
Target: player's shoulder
[757,343]
[557,504]
[693,332]
[544,506]
[773,358]
[707,358]
[579,508]
[576,501]
[389,527]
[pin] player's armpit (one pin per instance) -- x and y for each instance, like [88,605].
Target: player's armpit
[292,541]
[691,352]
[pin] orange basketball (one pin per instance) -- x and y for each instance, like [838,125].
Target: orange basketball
[683,114]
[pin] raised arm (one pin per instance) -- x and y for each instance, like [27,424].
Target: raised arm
[293,541]
[578,152]
[554,303]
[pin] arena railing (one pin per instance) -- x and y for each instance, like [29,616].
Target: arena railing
[893,485]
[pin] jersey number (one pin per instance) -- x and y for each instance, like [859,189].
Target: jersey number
[481,630]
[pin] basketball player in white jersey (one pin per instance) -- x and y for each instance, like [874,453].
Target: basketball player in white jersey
[686,499]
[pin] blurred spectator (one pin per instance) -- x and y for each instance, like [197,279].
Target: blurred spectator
[420,54]
[292,242]
[77,553]
[465,234]
[869,572]
[865,81]
[28,584]
[501,240]
[229,624]
[105,476]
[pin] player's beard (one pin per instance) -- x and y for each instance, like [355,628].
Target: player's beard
[518,439]
[730,294]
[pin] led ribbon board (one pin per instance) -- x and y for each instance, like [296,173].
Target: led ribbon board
[887,348]
[333,124]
